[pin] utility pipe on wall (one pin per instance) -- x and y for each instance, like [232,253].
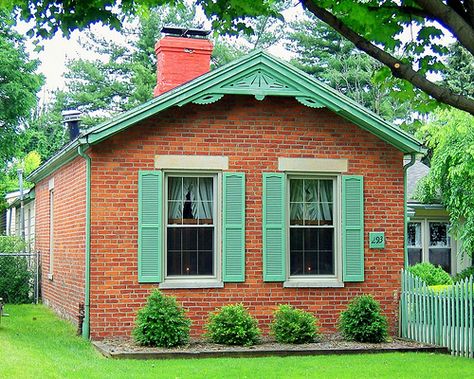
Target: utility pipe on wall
[81,150]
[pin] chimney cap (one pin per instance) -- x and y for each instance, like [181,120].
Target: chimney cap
[71,115]
[184,32]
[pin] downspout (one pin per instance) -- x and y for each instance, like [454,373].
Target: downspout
[405,208]
[86,323]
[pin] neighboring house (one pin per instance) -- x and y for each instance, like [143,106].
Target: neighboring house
[428,239]
[252,183]
[12,215]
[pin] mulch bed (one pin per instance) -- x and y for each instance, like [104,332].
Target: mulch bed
[329,344]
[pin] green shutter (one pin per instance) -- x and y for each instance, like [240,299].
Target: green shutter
[353,228]
[274,227]
[150,205]
[233,237]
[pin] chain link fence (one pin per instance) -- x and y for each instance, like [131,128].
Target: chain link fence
[20,277]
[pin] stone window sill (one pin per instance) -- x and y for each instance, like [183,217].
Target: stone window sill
[313,284]
[191,284]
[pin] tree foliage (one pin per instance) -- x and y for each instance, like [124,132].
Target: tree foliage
[19,84]
[374,26]
[325,54]
[451,137]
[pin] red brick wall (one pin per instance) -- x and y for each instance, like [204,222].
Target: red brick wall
[66,290]
[253,134]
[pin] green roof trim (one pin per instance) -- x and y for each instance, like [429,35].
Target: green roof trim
[257,74]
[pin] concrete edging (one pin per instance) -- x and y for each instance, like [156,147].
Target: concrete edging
[250,353]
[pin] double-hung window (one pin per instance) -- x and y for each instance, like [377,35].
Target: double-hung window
[311,227]
[191,226]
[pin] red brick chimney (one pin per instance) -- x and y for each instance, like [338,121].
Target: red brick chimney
[179,60]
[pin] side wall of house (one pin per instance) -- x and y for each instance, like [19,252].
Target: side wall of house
[253,134]
[63,288]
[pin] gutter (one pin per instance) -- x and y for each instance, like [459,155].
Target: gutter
[405,208]
[86,322]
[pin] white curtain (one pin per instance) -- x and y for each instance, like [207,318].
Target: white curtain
[189,197]
[316,196]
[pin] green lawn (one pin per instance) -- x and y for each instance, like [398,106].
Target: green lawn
[34,343]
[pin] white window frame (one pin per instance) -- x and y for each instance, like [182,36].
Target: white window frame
[317,280]
[194,281]
[425,240]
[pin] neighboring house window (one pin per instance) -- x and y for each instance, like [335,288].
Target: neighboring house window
[191,226]
[311,227]
[429,241]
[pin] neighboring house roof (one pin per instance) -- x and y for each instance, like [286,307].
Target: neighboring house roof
[258,74]
[414,174]
[13,198]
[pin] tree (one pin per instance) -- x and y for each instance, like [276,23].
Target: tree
[451,137]
[45,132]
[373,26]
[459,75]
[325,54]
[19,84]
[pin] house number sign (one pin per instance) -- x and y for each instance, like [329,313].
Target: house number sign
[376,240]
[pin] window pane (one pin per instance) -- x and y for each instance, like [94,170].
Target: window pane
[296,263]
[174,263]
[325,191]
[441,257]
[175,188]
[205,213]
[325,213]
[311,190]
[205,266]
[206,239]
[296,190]
[439,234]
[206,189]
[296,214]
[414,256]
[175,212]
[189,263]
[414,234]
[296,239]
[189,239]
[174,239]
[311,214]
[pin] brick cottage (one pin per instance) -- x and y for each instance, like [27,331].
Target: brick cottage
[251,183]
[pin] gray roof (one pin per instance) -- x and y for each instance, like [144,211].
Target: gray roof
[414,174]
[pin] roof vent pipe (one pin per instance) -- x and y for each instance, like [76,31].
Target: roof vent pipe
[72,119]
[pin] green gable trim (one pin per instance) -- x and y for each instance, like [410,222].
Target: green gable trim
[258,74]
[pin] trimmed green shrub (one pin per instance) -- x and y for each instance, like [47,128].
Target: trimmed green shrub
[466,273]
[363,321]
[15,276]
[162,322]
[233,325]
[292,325]
[440,287]
[430,274]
